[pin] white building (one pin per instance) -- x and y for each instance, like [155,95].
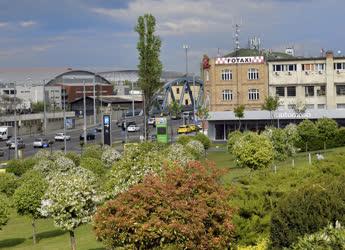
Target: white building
[311,83]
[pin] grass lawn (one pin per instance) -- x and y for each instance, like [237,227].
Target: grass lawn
[17,234]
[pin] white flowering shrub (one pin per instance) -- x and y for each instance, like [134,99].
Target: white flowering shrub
[42,154]
[45,167]
[196,148]
[64,164]
[56,155]
[177,153]
[71,199]
[109,156]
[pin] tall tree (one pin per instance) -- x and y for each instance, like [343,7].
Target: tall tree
[175,109]
[271,104]
[150,67]
[203,114]
[239,113]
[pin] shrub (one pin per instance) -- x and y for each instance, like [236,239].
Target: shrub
[253,151]
[19,167]
[305,211]
[329,238]
[109,156]
[74,157]
[327,129]
[203,139]
[232,138]
[196,149]
[340,137]
[178,154]
[186,208]
[4,211]
[93,151]
[183,139]
[94,165]
[8,183]
[308,133]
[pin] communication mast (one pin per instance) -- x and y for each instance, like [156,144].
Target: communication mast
[237,36]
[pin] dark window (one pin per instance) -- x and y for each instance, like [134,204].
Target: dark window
[321,91]
[340,89]
[177,90]
[309,90]
[219,131]
[161,130]
[186,102]
[280,91]
[291,91]
[291,67]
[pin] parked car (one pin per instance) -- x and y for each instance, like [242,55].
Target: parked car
[90,135]
[184,129]
[61,137]
[99,128]
[10,141]
[153,137]
[193,127]
[133,128]
[41,143]
[20,144]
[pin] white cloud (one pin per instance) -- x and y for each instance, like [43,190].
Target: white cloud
[27,24]
[4,24]
[42,48]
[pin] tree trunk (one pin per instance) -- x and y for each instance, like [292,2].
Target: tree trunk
[72,238]
[33,231]
[239,124]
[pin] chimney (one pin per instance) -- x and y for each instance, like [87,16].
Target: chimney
[329,54]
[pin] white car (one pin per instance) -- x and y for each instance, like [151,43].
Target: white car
[41,143]
[152,121]
[133,128]
[61,137]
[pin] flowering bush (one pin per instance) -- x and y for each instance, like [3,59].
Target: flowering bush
[45,167]
[232,138]
[93,151]
[109,156]
[74,157]
[253,151]
[71,199]
[94,165]
[42,154]
[178,154]
[186,208]
[8,183]
[196,148]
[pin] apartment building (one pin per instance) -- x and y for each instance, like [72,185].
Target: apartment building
[308,83]
[235,80]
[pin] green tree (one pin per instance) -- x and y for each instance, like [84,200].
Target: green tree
[327,130]
[308,133]
[71,200]
[271,104]
[37,107]
[232,139]
[186,208]
[253,151]
[4,210]
[150,67]
[239,113]
[203,114]
[27,198]
[175,109]
[8,183]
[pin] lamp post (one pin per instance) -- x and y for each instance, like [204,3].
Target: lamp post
[132,100]
[186,47]
[84,98]
[94,100]
[193,95]
[64,120]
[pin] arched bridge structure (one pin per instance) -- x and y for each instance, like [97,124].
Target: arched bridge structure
[185,90]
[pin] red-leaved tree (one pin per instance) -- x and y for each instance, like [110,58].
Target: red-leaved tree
[186,208]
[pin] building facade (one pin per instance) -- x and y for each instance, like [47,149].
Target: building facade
[233,81]
[308,83]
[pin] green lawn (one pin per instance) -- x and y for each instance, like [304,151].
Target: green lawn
[17,234]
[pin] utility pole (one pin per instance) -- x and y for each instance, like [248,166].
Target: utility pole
[15,123]
[44,108]
[186,47]
[64,119]
[94,100]
[85,139]
[193,95]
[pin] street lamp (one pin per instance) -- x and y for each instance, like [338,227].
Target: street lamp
[84,98]
[186,47]
[15,122]
[44,108]
[64,119]
[94,100]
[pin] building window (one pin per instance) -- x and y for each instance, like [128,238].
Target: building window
[253,94]
[313,67]
[178,91]
[284,67]
[340,105]
[226,75]
[291,90]
[280,91]
[227,95]
[339,66]
[340,89]
[321,106]
[309,90]
[253,74]
[309,106]
[321,91]
[186,102]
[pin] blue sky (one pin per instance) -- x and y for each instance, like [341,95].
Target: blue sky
[100,33]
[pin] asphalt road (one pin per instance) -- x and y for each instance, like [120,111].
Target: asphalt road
[74,144]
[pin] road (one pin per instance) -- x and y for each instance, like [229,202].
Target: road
[74,144]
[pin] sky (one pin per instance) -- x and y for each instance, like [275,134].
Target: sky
[100,33]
